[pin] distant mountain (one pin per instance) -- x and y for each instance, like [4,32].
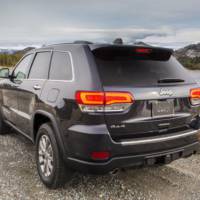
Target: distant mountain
[24,51]
[190,51]
[14,51]
[7,51]
[189,56]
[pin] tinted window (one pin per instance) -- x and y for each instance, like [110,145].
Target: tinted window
[138,72]
[61,68]
[40,67]
[21,71]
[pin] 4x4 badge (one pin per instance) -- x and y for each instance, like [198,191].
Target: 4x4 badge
[166,92]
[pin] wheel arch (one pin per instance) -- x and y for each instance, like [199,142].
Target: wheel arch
[45,117]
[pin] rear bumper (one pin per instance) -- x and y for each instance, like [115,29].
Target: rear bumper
[160,150]
[158,158]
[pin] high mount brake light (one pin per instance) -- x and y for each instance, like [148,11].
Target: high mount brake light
[195,96]
[143,50]
[90,101]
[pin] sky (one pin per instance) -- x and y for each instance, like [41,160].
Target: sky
[171,23]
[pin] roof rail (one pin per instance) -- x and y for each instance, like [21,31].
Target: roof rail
[140,43]
[82,42]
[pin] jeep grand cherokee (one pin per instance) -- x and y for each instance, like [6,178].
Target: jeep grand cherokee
[98,107]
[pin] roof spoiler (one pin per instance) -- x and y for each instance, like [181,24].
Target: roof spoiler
[135,52]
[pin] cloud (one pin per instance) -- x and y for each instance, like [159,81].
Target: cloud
[70,33]
[129,34]
[163,36]
[168,23]
[177,39]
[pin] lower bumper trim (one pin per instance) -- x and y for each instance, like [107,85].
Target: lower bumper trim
[163,157]
[159,139]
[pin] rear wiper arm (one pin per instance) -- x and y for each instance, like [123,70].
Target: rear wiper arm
[171,80]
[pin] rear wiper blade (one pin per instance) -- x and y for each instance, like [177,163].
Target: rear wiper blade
[171,80]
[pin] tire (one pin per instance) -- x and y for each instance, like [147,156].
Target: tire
[54,173]
[4,129]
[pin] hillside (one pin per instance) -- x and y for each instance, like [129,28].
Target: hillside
[189,56]
[10,57]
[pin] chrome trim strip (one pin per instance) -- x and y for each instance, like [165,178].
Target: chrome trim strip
[160,139]
[34,79]
[18,130]
[22,114]
[53,80]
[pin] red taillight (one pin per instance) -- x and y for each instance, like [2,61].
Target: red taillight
[90,98]
[143,50]
[101,155]
[117,97]
[195,96]
[90,101]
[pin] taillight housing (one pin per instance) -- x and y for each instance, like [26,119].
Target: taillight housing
[94,101]
[195,96]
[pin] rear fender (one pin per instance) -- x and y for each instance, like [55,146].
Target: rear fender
[55,126]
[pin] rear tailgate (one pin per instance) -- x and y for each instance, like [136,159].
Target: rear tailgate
[152,114]
[159,85]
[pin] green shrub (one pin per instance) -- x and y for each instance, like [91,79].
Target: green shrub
[9,60]
[190,63]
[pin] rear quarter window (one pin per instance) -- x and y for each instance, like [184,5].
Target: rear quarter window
[61,66]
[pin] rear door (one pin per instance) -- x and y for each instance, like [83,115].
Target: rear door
[159,85]
[30,89]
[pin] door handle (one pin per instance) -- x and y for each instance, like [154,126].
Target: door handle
[36,87]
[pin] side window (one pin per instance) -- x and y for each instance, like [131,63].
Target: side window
[40,66]
[61,66]
[22,69]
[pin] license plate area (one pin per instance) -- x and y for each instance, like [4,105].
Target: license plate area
[162,108]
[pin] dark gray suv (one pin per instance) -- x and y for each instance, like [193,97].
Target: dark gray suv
[98,107]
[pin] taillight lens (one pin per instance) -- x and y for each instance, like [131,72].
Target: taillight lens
[117,97]
[103,101]
[195,96]
[90,98]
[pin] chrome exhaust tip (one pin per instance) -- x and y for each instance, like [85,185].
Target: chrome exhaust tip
[114,172]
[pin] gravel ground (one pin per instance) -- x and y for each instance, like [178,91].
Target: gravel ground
[19,179]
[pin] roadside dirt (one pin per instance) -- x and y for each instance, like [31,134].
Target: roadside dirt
[19,179]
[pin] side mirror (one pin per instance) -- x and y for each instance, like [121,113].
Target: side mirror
[4,73]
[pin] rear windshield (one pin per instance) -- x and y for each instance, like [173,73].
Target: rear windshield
[128,71]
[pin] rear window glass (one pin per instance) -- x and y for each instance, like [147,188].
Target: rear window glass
[119,71]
